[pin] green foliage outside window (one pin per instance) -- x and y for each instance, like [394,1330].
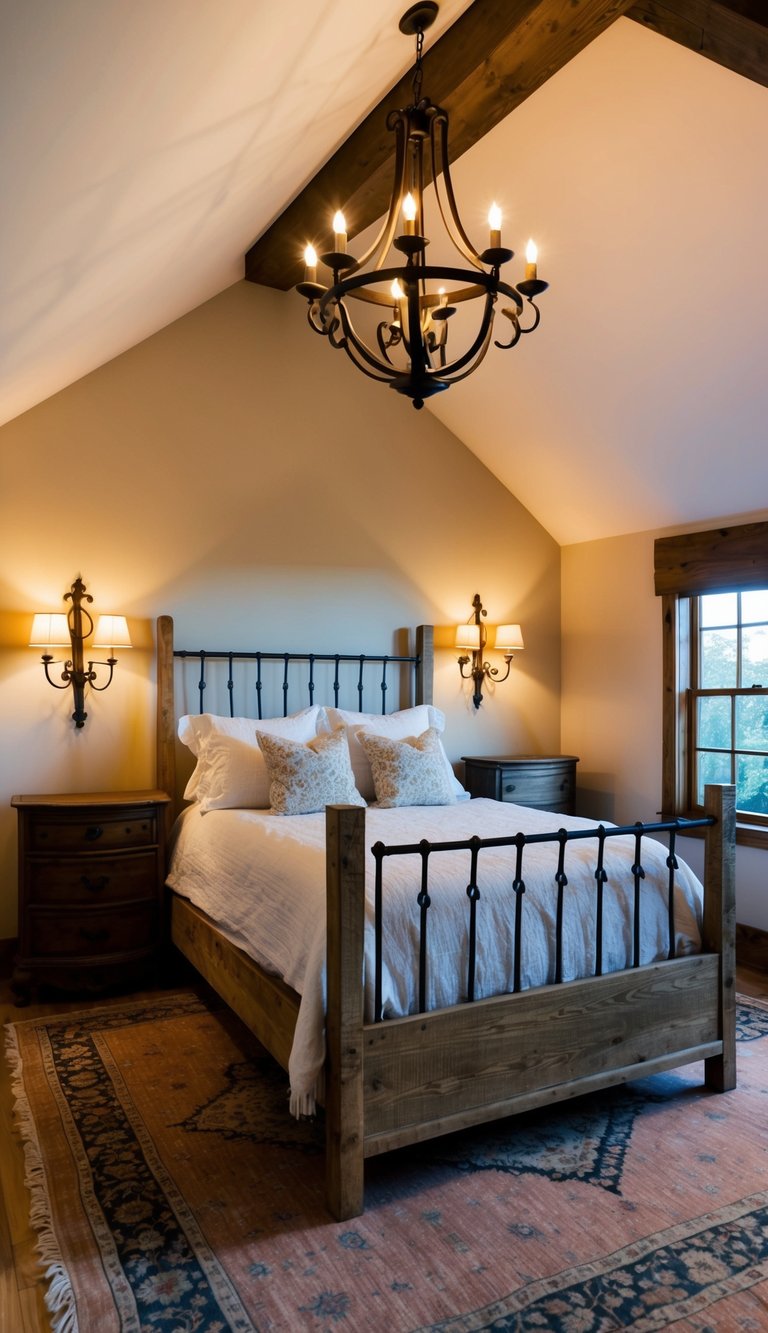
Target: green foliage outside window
[732,727]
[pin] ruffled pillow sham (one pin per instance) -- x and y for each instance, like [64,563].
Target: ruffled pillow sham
[231,772]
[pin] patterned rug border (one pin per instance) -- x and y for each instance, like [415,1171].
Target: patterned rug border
[503,1314]
[59,1298]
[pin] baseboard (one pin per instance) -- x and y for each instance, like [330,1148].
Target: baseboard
[752,947]
[7,954]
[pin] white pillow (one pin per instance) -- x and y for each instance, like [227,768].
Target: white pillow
[409,771]
[306,778]
[407,722]
[230,770]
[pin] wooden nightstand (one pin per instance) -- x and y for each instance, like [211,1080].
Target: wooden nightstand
[546,782]
[91,874]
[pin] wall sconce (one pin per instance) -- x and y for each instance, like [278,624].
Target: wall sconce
[473,637]
[59,630]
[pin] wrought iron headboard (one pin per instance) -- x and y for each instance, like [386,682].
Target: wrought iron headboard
[292,678]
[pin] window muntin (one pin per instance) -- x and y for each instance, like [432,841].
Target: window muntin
[728,699]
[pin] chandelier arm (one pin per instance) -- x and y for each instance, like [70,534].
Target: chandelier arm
[349,348]
[511,315]
[395,338]
[396,121]
[380,370]
[456,379]
[334,323]
[480,344]
[535,323]
[313,313]
[414,342]
[440,164]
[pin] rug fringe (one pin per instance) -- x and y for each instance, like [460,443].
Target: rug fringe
[59,1298]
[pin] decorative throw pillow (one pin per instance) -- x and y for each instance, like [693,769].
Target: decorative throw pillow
[306,778]
[397,726]
[411,771]
[230,772]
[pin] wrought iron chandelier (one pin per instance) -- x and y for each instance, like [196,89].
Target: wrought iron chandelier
[408,348]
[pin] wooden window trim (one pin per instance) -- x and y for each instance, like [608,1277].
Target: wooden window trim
[717,560]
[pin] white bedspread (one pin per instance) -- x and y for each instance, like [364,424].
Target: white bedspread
[261,877]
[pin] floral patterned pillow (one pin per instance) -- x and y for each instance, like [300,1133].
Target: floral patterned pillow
[305,778]
[411,771]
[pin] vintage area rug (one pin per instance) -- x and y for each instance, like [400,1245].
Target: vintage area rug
[172,1192]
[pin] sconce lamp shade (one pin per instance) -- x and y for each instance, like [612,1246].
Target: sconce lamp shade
[468,637]
[509,639]
[112,632]
[50,629]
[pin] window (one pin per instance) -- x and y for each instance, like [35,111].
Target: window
[728,699]
[714,589]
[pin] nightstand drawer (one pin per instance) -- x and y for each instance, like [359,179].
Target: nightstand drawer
[95,880]
[82,934]
[539,789]
[93,830]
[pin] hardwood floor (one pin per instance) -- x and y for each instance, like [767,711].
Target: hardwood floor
[22,1305]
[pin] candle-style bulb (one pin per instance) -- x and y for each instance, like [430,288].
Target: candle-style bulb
[339,232]
[531,255]
[409,214]
[310,264]
[494,222]
[396,290]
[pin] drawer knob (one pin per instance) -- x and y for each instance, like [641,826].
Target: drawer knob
[509,786]
[94,885]
[93,832]
[94,936]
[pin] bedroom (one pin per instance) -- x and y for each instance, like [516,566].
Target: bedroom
[133,474]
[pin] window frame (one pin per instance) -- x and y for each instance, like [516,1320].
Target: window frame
[685,566]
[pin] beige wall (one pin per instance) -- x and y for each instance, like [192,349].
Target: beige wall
[611,703]
[235,472]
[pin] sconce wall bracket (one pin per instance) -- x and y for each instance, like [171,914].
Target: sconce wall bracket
[476,634]
[75,673]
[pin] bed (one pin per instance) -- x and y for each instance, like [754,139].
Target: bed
[391,1078]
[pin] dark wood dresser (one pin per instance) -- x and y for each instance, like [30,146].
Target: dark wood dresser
[546,782]
[91,874]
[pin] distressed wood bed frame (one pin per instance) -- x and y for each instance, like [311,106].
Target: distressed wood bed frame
[405,1080]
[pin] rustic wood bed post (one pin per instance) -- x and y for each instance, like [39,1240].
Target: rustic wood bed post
[344,1128]
[719,930]
[425,671]
[166,720]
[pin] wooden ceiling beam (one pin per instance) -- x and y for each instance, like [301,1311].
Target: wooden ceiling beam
[492,58]
[733,33]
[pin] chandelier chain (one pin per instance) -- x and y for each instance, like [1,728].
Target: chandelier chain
[418,73]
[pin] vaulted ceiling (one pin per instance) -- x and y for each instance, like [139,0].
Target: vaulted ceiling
[149,148]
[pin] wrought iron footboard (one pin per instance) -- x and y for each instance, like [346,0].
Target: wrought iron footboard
[426,850]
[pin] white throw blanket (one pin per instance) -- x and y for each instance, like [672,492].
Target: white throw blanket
[261,878]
